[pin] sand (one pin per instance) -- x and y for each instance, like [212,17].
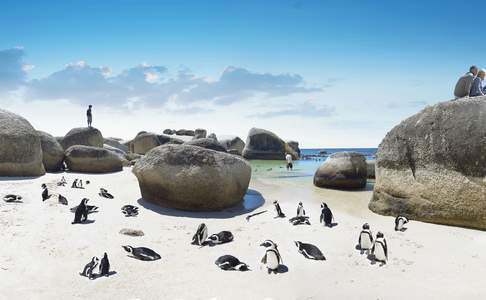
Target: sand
[41,253]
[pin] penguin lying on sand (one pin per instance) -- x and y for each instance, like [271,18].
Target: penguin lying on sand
[130,210]
[12,198]
[104,193]
[310,251]
[142,253]
[399,222]
[229,262]
[221,238]
[300,220]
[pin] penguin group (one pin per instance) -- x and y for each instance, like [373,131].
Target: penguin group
[104,267]
[201,237]
[376,248]
[129,210]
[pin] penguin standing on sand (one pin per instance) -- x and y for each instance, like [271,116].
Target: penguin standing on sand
[229,262]
[104,265]
[142,253]
[280,214]
[221,238]
[300,210]
[310,251]
[380,249]
[399,222]
[75,183]
[45,192]
[88,269]
[365,240]
[272,258]
[81,213]
[326,215]
[201,235]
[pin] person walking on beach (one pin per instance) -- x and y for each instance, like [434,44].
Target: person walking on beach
[463,85]
[288,157]
[477,84]
[89,115]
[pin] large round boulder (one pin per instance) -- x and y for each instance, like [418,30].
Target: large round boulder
[207,143]
[144,142]
[52,152]
[342,170]
[233,144]
[192,178]
[86,136]
[432,166]
[20,147]
[89,159]
[263,144]
[116,143]
[295,146]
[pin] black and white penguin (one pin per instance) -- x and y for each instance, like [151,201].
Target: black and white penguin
[129,210]
[81,213]
[80,184]
[380,248]
[104,193]
[365,240]
[310,251]
[399,222]
[221,238]
[74,184]
[300,220]
[45,192]
[104,265]
[201,235]
[62,200]
[142,253]
[280,214]
[12,198]
[88,269]
[229,262]
[326,215]
[272,258]
[300,210]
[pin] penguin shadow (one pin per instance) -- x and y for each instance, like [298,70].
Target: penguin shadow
[84,222]
[251,201]
[373,260]
[402,230]
[332,225]
[96,276]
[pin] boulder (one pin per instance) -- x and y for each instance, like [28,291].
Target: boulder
[52,152]
[86,136]
[169,131]
[295,147]
[207,143]
[213,136]
[370,164]
[192,178]
[89,159]
[200,133]
[120,153]
[432,167]
[144,142]
[342,170]
[185,132]
[263,144]
[233,144]
[20,147]
[116,143]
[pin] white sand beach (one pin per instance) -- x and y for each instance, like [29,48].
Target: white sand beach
[42,253]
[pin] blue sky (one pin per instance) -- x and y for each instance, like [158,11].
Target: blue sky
[326,73]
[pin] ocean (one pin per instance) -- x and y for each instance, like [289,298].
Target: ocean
[303,168]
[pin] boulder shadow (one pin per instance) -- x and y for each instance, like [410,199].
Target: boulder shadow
[18,178]
[96,276]
[251,201]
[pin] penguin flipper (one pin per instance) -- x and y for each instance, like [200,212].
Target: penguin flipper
[264,259]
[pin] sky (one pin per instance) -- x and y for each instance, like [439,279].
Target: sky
[324,73]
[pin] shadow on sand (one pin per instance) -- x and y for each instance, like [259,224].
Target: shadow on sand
[251,201]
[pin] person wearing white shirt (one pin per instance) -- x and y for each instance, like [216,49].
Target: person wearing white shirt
[288,157]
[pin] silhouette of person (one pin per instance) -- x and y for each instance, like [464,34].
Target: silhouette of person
[89,115]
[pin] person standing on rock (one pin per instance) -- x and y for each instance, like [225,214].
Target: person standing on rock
[477,84]
[288,157]
[89,115]
[464,84]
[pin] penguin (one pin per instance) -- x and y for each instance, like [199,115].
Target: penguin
[272,258]
[62,200]
[129,210]
[104,266]
[399,222]
[280,214]
[300,220]
[88,269]
[309,251]
[221,238]
[300,210]
[365,241]
[326,215]
[201,235]
[142,253]
[229,262]
[80,184]
[12,198]
[75,183]
[380,248]
[90,208]
[104,193]
[81,213]
[45,192]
